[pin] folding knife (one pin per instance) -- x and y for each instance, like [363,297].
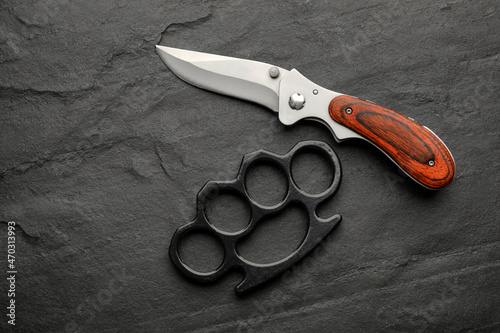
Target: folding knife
[413,147]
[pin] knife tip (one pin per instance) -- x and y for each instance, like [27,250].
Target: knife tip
[162,50]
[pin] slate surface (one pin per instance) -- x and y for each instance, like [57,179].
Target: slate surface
[103,150]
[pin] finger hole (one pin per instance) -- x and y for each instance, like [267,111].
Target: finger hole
[201,252]
[266,183]
[228,211]
[276,237]
[312,172]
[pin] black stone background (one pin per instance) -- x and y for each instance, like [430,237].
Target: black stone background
[103,151]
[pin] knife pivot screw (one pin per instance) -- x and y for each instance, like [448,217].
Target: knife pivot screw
[348,110]
[315,91]
[431,163]
[297,101]
[274,72]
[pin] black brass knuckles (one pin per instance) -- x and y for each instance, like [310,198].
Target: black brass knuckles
[255,274]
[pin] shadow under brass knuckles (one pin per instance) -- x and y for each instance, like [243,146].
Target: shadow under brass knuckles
[256,274]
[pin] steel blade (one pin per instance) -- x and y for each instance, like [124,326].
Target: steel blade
[245,79]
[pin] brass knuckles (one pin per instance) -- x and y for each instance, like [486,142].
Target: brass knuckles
[255,274]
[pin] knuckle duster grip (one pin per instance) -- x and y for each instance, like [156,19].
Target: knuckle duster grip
[254,273]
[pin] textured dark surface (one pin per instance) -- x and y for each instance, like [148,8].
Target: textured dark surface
[103,151]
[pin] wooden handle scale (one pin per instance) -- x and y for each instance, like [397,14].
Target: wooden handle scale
[417,150]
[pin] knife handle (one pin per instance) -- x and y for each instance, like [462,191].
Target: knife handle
[416,149]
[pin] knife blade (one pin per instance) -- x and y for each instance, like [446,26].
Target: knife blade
[417,151]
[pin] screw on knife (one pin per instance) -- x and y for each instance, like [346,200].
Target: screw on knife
[315,91]
[274,72]
[431,163]
[297,101]
[348,110]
